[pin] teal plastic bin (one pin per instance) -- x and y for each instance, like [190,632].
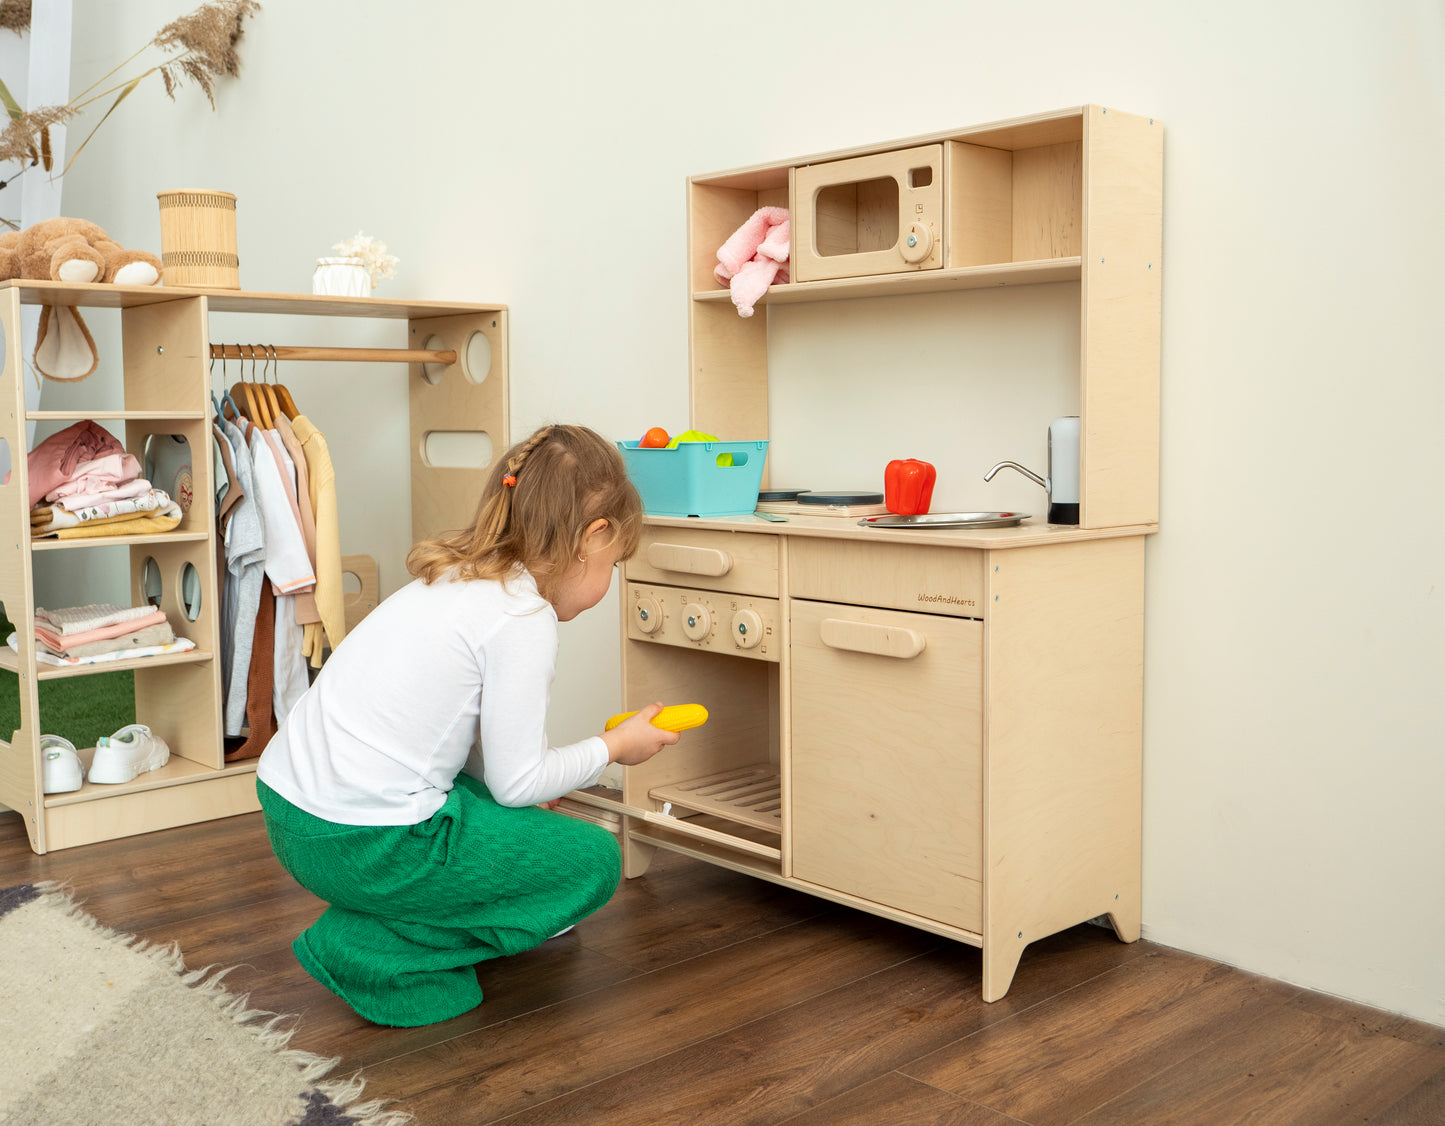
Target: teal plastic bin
[697,478]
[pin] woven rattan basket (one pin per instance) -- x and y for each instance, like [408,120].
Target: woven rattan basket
[198,240]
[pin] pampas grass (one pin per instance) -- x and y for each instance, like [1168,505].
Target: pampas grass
[203,47]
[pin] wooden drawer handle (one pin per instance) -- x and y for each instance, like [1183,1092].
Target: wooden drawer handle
[866,637]
[689,560]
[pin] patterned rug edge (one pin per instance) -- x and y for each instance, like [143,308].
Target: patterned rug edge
[335,1102]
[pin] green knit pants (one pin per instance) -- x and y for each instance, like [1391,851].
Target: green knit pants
[413,908]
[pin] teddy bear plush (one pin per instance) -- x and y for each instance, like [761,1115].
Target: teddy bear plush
[73,251]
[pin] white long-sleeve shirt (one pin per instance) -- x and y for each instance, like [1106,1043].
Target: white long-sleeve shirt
[435,670]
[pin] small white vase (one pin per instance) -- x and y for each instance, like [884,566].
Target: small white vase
[341,277]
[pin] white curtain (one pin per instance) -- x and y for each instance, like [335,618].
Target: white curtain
[36,68]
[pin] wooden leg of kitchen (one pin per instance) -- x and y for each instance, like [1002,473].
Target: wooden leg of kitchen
[1124,918]
[636,855]
[1000,960]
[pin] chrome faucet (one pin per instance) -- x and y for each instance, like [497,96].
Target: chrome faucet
[1029,473]
[1062,483]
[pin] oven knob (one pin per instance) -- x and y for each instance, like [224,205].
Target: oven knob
[917,243]
[747,629]
[696,621]
[647,615]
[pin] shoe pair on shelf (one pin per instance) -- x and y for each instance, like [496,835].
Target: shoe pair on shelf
[121,757]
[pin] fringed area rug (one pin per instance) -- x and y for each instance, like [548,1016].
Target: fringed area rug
[102,1027]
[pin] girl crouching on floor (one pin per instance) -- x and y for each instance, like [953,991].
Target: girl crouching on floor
[432,858]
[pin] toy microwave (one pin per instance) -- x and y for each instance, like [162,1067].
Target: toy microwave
[876,214]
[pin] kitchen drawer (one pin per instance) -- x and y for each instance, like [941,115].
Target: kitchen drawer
[738,562]
[886,758]
[932,580]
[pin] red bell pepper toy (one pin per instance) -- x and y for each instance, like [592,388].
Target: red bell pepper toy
[908,486]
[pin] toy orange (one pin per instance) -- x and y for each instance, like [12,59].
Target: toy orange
[655,439]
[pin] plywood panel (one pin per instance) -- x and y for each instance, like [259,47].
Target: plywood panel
[1047,202]
[457,400]
[729,390]
[19,775]
[146,811]
[1064,703]
[167,356]
[979,195]
[1122,277]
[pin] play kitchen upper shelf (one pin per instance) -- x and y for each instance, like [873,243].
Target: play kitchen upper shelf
[999,204]
[931,281]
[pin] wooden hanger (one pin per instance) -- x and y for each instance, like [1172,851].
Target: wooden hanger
[265,391]
[253,403]
[288,404]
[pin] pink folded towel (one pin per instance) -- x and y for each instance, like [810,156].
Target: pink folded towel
[60,643]
[754,257]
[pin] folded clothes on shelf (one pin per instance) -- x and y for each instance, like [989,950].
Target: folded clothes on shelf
[94,615]
[83,458]
[179,645]
[125,635]
[100,628]
[83,483]
[152,511]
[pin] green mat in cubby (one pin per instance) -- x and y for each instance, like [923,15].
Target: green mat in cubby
[78,708]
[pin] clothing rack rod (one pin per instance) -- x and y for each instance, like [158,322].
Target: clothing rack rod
[261,352]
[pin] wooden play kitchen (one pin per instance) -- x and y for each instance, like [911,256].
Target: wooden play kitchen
[457,357]
[942,727]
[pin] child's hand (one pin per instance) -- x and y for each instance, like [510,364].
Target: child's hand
[635,739]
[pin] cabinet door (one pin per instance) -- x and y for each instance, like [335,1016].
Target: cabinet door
[887,758]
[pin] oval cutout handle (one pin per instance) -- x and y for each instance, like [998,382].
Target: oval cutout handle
[867,637]
[689,560]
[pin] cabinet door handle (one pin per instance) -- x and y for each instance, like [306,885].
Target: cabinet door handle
[689,560]
[866,637]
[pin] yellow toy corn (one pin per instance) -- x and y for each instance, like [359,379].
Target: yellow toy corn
[678,717]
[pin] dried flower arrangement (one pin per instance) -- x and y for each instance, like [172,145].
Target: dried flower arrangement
[372,255]
[206,40]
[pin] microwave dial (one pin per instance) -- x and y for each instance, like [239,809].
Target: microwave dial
[916,243]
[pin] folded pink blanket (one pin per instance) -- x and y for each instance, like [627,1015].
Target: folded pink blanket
[61,643]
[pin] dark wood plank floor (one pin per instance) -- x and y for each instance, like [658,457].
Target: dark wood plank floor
[701,996]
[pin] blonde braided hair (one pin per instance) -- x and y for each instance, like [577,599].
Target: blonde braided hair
[498,509]
[536,505]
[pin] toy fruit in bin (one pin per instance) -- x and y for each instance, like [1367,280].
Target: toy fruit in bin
[699,436]
[697,478]
[655,439]
[908,486]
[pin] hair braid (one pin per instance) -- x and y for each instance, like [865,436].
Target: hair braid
[539,499]
[502,511]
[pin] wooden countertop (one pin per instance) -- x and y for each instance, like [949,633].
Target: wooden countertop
[1031,533]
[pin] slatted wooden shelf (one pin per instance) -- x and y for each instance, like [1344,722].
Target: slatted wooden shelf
[750,795]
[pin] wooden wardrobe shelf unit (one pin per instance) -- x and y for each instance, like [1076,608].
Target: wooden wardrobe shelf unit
[943,728]
[166,356]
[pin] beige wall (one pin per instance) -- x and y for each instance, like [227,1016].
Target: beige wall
[535,154]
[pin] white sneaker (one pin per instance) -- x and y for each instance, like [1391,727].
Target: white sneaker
[61,770]
[131,751]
